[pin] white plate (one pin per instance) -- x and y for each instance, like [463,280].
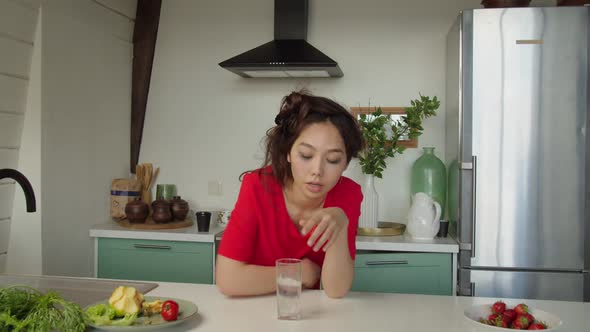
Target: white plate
[187,309]
[474,313]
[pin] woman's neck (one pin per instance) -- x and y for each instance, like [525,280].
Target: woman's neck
[297,200]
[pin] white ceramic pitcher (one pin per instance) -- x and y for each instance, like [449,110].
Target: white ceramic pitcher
[423,218]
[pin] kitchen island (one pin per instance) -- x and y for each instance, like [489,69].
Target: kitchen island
[358,311]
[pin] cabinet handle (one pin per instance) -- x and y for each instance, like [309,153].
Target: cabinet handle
[151,246]
[373,263]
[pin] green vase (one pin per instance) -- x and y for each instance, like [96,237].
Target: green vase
[430,177]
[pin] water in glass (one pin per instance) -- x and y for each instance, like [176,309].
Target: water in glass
[288,297]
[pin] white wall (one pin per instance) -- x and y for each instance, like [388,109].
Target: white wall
[86,98]
[205,124]
[25,231]
[18,20]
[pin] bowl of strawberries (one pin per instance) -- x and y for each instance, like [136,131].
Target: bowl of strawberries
[517,317]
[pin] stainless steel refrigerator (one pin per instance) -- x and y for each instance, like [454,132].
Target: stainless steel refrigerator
[517,151]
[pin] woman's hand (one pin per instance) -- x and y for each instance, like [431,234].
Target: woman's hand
[328,223]
[310,273]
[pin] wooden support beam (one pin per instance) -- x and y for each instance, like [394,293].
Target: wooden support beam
[145,32]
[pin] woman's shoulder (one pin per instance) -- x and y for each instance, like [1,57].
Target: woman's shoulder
[347,188]
[348,184]
[261,177]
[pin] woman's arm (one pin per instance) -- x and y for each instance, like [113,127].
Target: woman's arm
[235,278]
[331,235]
[338,268]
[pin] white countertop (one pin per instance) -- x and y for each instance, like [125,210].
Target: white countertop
[406,243]
[382,243]
[189,234]
[356,312]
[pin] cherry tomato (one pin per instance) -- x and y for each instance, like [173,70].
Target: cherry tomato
[169,310]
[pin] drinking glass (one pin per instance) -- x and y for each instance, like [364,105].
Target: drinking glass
[288,288]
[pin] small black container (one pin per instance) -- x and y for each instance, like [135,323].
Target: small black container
[203,221]
[443,231]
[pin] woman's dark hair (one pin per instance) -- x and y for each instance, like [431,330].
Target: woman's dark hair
[299,110]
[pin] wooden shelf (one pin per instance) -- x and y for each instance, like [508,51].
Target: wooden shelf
[356,111]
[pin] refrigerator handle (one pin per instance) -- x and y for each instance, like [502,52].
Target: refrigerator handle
[473,202]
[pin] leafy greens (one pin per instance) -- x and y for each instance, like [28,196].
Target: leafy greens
[24,308]
[101,314]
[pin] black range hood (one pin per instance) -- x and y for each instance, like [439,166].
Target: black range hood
[289,54]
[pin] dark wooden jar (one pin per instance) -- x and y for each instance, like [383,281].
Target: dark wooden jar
[161,211]
[179,208]
[137,211]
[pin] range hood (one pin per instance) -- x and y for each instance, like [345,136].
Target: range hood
[289,54]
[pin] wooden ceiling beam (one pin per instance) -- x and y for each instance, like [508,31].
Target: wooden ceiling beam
[145,32]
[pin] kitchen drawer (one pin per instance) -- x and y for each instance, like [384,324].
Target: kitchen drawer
[155,260]
[411,273]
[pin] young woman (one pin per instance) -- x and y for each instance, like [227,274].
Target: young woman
[298,205]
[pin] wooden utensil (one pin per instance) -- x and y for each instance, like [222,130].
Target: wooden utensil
[138,174]
[144,176]
[147,175]
[154,177]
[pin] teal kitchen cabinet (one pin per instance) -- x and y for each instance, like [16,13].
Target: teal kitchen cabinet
[155,260]
[407,272]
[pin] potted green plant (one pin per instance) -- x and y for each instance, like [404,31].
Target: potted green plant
[382,134]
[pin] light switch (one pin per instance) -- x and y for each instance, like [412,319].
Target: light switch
[214,188]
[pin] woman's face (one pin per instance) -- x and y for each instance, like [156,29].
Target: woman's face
[318,158]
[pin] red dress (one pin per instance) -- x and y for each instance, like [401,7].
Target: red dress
[260,230]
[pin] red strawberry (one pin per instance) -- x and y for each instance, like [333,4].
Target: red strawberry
[493,317]
[509,314]
[502,323]
[505,319]
[521,309]
[485,321]
[537,326]
[498,307]
[530,317]
[520,323]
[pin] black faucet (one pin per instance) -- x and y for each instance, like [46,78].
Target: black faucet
[24,183]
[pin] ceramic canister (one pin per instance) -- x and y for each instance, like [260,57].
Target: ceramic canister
[179,208]
[136,211]
[161,211]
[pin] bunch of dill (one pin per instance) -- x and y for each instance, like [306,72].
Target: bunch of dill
[24,308]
